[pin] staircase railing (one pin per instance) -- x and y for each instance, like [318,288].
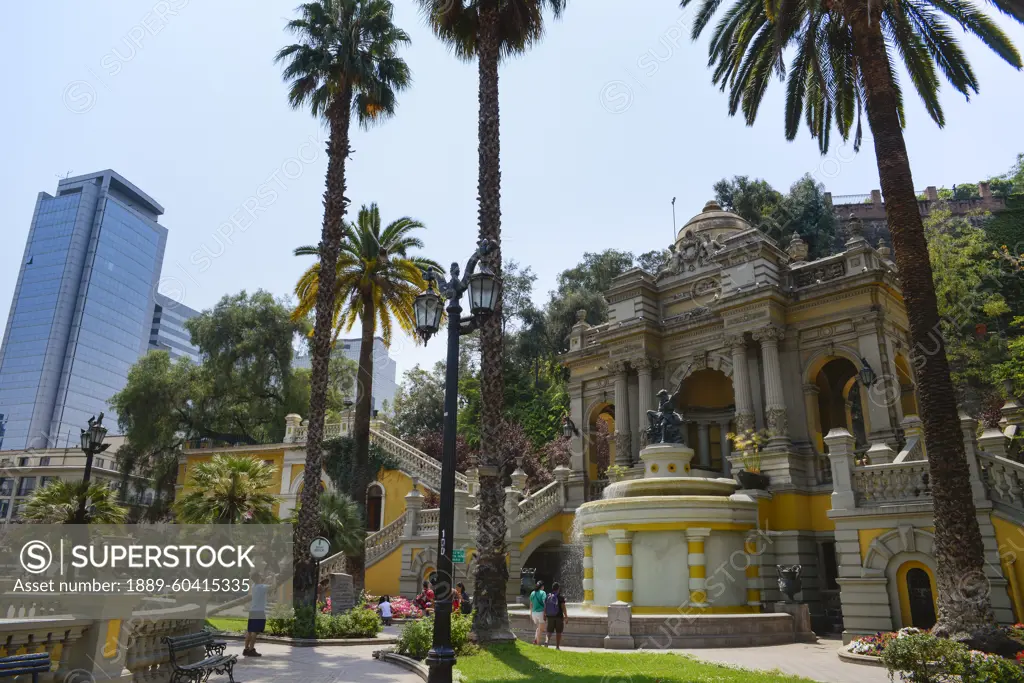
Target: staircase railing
[1004,482]
[332,565]
[429,523]
[540,506]
[384,541]
[888,483]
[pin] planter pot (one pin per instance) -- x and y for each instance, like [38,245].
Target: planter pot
[789,580]
[752,480]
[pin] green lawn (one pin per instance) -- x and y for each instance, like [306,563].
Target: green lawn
[522,662]
[236,624]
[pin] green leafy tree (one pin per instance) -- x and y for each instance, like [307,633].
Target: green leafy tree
[376,280]
[58,503]
[485,31]
[345,63]
[841,63]
[228,489]
[654,260]
[751,200]
[419,401]
[344,470]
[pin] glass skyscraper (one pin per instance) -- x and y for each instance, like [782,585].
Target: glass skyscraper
[83,308]
[169,333]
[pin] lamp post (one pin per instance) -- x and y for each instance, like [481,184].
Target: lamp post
[92,443]
[483,288]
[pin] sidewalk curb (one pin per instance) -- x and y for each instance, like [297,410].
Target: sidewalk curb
[402,661]
[853,658]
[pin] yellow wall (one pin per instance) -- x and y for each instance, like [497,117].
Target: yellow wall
[707,389]
[1010,540]
[561,523]
[383,577]
[396,485]
[865,536]
[796,512]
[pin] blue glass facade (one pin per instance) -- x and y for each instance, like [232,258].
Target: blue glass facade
[82,308]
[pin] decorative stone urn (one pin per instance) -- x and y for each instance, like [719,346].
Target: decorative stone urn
[789,580]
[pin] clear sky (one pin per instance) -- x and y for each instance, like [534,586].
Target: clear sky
[602,124]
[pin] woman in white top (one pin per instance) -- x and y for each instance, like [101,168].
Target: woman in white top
[385,609]
[257,616]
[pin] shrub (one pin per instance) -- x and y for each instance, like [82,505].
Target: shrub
[923,658]
[358,623]
[417,636]
[281,620]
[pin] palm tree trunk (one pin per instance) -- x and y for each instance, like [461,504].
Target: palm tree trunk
[491,623]
[361,428]
[962,590]
[304,583]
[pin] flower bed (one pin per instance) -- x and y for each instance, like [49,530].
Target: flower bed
[401,608]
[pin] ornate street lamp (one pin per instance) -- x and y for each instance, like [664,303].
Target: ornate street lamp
[484,289]
[867,374]
[569,429]
[92,443]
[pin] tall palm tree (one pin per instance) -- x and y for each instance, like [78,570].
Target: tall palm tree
[345,63]
[842,64]
[487,31]
[375,282]
[57,503]
[228,489]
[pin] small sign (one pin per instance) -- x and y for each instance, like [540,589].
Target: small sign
[458,556]
[319,547]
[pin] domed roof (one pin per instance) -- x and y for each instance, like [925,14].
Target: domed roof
[713,222]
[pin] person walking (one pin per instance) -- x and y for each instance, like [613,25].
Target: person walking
[537,600]
[257,615]
[384,606]
[556,614]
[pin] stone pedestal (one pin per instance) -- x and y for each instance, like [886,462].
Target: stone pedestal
[801,620]
[343,597]
[620,633]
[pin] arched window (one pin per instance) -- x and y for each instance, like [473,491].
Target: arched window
[374,507]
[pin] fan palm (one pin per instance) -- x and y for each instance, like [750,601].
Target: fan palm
[375,282]
[228,489]
[487,31]
[843,64]
[345,63]
[340,522]
[58,501]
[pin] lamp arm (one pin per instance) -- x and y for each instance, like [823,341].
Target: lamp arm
[485,247]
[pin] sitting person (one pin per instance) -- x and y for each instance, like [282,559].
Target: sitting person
[425,600]
[384,607]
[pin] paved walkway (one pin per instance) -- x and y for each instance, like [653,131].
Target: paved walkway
[327,664]
[817,661]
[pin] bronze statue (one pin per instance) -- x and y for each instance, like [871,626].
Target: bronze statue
[665,424]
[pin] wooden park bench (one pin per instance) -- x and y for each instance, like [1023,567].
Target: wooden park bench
[214,660]
[19,665]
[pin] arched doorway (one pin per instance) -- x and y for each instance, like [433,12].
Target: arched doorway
[908,397]
[552,561]
[374,507]
[840,399]
[917,595]
[600,440]
[707,403]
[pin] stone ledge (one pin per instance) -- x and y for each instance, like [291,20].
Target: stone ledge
[311,642]
[866,660]
[407,663]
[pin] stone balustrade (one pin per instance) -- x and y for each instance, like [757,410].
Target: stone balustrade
[384,541]
[538,508]
[429,523]
[888,483]
[56,636]
[332,565]
[1003,479]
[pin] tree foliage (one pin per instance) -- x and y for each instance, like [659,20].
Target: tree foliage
[58,502]
[228,489]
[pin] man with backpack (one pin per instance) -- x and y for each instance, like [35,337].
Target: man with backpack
[537,601]
[554,611]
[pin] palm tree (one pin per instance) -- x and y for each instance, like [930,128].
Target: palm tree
[487,31]
[58,501]
[340,521]
[345,63]
[840,67]
[375,282]
[228,489]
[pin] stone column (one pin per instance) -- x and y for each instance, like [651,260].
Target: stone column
[698,569]
[753,571]
[726,447]
[644,366]
[623,541]
[413,505]
[811,392]
[969,428]
[623,438]
[840,452]
[741,384]
[588,570]
[775,401]
[704,444]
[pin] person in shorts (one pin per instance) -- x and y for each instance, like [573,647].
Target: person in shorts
[537,598]
[257,615]
[555,613]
